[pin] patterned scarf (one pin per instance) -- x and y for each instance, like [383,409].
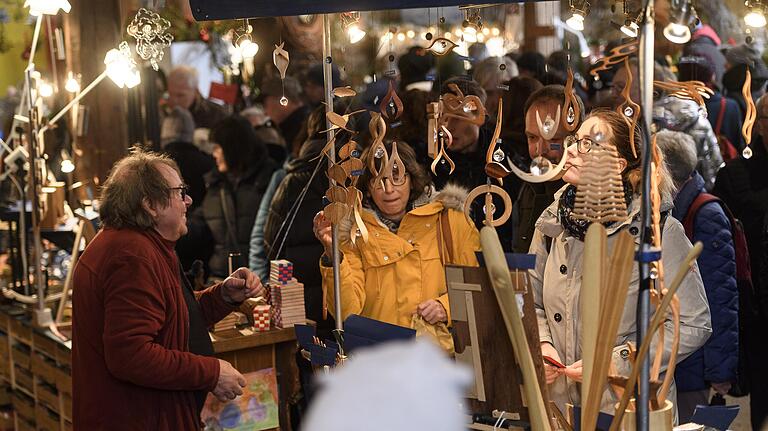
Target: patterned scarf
[578,227]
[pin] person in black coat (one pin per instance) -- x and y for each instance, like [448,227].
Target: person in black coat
[743,185]
[235,189]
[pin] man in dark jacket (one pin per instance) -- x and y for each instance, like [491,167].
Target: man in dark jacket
[534,198]
[141,353]
[290,117]
[743,185]
[183,92]
[715,364]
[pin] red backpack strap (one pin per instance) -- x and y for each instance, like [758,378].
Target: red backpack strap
[720,116]
[690,216]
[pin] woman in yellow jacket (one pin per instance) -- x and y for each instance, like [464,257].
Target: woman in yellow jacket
[399,272]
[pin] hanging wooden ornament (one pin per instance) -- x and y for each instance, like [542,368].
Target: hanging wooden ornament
[571,109]
[350,149]
[337,173]
[628,109]
[445,139]
[281,59]
[749,119]
[378,157]
[687,90]
[488,190]
[340,121]
[434,111]
[616,56]
[600,193]
[495,155]
[457,105]
[391,106]
[337,194]
[441,46]
[335,212]
[548,128]
[344,92]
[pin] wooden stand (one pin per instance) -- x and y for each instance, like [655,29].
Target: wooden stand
[482,343]
[660,420]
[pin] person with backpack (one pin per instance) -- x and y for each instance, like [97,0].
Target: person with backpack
[705,219]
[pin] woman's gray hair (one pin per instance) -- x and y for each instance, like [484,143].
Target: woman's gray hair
[679,153]
[133,179]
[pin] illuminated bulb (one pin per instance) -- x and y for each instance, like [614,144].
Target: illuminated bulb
[401,37]
[677,33]
[356,34]
[67,166]
[576,21]
[47,7]
[45,89]
[755,19]
[248,48]
[495,31]
[121,68]
[486,31]
[458,32]
[72,85]
[447,35]
[480,38]
[495,46]
[411,34]
[470,34]
[630,29]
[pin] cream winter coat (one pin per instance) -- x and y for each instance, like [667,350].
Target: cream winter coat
[556,284]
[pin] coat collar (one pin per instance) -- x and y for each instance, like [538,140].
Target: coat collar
[687,194]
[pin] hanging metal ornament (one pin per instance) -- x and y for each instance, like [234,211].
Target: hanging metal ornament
[152,37]
[441,46]
[281,59]
[391,106]
[628,109]
[571,109]
[749,120]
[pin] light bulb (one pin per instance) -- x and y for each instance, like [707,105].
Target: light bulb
[401,37]
[356,34]
[755,19]
[630,29]
[248,48]
[411,34]
[470,33]
[45,89]
[486,31]
[47,7]
[495,31]
[121,68]
[71,85]
[67,166]
[576,21]
[677,33]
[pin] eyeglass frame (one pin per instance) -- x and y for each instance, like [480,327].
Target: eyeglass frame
[184,189]
[571,140]
[395,184]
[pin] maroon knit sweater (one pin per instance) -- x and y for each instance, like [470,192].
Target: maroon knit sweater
[131,369]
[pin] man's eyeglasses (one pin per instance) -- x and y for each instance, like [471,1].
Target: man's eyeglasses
[183,191]
[583,145]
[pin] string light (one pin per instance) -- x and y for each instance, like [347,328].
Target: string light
[578,14]
[351,23]
[73,84]
[121,68]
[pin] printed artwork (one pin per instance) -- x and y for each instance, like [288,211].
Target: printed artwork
[255,410]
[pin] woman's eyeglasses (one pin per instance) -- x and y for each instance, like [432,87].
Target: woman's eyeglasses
[183,191]
[396,180]
[583,145]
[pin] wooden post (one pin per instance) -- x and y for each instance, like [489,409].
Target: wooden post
[92,28]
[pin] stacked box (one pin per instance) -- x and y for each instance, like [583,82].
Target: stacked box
[261,317]
[287,304]
[280,271]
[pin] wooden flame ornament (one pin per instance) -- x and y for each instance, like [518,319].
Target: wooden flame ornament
[600,193]
[571,109]
[281,59]
[628,108]
[391,106]
[749,120]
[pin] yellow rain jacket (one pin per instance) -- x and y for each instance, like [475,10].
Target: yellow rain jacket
[388,276]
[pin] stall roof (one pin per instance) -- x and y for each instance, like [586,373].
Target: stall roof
[206,10]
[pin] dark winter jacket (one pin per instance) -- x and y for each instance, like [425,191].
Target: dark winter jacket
[300,246]
[743,185]
[717,360]
[731,127]
[242,199]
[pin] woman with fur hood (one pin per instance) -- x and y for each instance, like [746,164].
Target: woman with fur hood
[398,275]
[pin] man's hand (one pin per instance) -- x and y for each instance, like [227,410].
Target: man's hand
[230,382]
[574,371]
[721,388]
[241,285]
[432,311]
[551,373]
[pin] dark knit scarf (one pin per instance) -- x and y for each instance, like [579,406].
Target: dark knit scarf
[578,227]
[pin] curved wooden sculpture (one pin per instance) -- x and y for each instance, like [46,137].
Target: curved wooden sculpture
[489,190]
[444,140]
[749,119]
[391,106]
[494,155]
[600,193]
[617,55]
[628,109]
[441,46]
[571,109]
